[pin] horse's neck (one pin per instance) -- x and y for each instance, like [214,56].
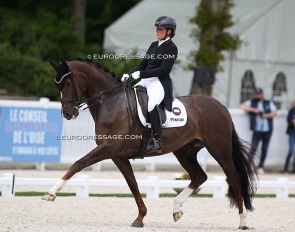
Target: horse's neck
[95,93]
[117,110]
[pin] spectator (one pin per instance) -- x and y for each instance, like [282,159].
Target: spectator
[291,133]
[261,113]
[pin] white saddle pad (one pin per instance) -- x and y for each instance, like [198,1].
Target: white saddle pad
[176,118]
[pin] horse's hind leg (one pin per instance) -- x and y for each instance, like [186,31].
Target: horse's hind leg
[187,158]
[233,179]
[230,153]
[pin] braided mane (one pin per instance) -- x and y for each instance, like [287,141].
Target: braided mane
[97,64]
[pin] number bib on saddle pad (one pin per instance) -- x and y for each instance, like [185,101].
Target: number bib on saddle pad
[176,118]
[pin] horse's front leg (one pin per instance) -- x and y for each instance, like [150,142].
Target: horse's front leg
[127,171]
[97,154]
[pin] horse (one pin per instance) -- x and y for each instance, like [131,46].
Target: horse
[113,108]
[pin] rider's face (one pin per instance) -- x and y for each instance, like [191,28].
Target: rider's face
[161,33]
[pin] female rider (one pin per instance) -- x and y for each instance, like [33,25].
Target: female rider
[154,73]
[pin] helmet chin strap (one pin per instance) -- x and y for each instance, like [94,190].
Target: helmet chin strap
[167,34]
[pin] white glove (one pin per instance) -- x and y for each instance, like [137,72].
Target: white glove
[124,77]
[135,75]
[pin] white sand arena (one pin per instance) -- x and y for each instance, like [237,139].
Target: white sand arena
[116,214]
[27,214]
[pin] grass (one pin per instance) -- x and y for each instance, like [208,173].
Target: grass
[36,194]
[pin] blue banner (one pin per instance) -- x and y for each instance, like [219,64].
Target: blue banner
[30,134]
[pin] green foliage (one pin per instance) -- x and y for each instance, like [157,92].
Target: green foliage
[24,75]
[212,34]
[41,36]
[33,30]
[123,65]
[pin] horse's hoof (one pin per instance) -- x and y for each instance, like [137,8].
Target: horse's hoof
[136,224]
[244,228]
[48,197]
[177,215]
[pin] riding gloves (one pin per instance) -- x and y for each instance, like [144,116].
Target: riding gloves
[135,75]
[124,77]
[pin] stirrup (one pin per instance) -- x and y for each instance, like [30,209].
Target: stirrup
[154,147]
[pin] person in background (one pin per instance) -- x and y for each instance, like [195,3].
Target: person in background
[291,133]
[261,112]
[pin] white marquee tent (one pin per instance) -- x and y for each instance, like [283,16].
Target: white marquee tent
[266,57]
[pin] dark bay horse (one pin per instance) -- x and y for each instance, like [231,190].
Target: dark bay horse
[113,109]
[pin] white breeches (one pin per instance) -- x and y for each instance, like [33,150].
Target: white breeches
[155,91]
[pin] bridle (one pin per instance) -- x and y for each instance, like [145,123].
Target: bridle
[78,103]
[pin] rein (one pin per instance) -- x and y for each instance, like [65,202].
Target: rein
[126,85]
[105,94]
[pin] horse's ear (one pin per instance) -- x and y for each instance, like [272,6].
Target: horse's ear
[63,62]
[53,64]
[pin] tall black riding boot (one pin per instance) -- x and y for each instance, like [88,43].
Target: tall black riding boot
[156,124]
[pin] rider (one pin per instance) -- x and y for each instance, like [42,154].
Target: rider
[154,73]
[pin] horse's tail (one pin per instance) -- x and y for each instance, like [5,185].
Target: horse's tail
[246,170]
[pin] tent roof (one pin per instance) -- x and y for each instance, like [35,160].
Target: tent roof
[263,25]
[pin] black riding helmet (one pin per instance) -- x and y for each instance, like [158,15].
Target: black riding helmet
[168,23]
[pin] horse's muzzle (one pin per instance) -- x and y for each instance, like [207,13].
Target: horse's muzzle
[71,114]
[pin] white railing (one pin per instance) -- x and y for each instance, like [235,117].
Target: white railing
[72,150]
[152,185]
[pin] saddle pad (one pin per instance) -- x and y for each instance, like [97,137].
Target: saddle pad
[176,118]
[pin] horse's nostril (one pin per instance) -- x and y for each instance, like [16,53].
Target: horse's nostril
[68,116]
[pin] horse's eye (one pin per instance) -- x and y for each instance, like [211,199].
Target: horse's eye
[68,84]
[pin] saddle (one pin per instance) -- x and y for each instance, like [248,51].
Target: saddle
[143,102]
[175,118]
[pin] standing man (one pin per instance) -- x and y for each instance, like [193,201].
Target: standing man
[261,113]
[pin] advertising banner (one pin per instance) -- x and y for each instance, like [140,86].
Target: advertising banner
[30,134]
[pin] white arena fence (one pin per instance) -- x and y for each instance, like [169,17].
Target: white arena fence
[152,184]
[72,150]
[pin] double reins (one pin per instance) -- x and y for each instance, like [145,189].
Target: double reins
[101,96]
[126,85]
[105,94]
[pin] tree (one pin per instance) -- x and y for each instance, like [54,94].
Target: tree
[212,18]
[33,30]
[78,13]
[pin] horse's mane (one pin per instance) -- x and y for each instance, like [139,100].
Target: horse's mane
[97,64]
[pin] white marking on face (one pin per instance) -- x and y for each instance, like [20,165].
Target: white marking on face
[62,114]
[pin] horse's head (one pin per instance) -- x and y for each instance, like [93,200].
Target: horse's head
[69,89]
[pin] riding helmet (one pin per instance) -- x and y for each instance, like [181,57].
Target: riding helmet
[166,22]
